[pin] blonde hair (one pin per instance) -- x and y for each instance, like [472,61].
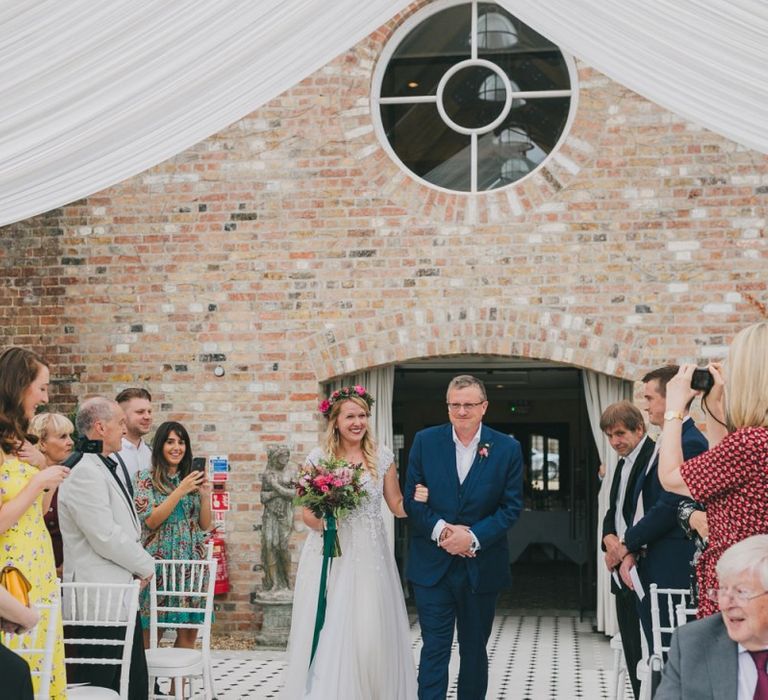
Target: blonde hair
[332,444]
[746,396]
[45,424]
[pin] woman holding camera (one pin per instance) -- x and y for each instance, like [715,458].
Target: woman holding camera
[174,504]
[731,479]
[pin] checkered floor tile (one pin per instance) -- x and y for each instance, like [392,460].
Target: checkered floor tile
[532,657]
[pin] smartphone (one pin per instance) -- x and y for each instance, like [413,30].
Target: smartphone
[702,380]
[198,464]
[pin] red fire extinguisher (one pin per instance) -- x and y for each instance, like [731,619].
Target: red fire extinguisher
[220,555]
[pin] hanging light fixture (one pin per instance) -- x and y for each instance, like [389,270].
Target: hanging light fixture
[513,169]
[492,90]
[495,30]
[515,140]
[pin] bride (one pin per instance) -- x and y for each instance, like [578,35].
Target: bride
[364,649]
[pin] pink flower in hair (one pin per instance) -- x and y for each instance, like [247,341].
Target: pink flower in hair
[360,389]
[325,406]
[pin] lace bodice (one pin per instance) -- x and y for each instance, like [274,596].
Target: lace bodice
[370,508]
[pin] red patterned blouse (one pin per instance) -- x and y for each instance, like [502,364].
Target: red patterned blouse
[731,481]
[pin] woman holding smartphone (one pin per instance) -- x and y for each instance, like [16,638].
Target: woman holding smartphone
[174,504]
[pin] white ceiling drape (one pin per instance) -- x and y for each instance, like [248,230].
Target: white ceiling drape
[706,60]
[93,93]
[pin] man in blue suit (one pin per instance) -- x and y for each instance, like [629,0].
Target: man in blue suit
[458,558]
[655,541]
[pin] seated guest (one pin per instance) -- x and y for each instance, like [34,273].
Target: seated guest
[15,618]
[101,534]
[731,479]
[725,655]
[54,440]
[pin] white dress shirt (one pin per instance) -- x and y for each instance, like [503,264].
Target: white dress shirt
[626,470]
[747,675]
[465,456]
[134,458]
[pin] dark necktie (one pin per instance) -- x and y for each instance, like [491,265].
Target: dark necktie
[761,659]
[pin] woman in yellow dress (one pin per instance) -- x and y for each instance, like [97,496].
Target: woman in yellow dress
[26,488]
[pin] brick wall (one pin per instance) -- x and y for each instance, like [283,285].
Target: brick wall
[289,249]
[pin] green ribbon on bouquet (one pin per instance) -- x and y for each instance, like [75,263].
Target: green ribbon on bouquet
[331,549]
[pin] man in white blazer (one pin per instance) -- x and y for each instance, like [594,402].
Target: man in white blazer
[102,534]
[724,656]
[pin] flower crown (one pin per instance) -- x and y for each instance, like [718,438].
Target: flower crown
[347,392]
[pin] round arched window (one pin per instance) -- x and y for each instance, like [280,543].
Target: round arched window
[467,98]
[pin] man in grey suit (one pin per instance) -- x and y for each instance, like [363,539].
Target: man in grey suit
[724,656]
[101,534]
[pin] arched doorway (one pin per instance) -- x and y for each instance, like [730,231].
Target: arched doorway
[542,405]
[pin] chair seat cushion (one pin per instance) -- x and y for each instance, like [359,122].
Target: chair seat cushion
[185,661]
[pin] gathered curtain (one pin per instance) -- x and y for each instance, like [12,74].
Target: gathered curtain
[600,391]
[94,93]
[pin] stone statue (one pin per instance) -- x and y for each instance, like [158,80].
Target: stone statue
[277,522]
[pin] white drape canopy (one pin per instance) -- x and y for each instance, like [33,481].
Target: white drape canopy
[93,93]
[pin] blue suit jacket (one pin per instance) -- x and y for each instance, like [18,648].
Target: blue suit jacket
[489,501]
[669,552]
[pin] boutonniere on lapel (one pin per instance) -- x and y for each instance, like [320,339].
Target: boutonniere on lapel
[483,450]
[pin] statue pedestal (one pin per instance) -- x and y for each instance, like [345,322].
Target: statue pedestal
[277,607]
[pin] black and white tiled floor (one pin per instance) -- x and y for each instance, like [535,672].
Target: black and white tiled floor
[532,657]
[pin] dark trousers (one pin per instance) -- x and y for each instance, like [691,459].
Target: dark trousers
[629,626]
[15,676]
[448,604]
[108,676]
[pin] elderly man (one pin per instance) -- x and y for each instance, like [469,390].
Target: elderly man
[101,535]
[724,656]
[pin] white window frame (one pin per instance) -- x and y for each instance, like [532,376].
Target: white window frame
[376,100]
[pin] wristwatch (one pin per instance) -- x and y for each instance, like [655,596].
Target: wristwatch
[673,415]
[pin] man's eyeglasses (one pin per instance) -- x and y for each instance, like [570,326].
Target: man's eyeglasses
[740,595]
[456,407]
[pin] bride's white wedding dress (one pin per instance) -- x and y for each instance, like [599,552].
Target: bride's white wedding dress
[364,651]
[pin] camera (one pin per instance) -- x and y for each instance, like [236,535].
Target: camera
[83,446]
[702,380]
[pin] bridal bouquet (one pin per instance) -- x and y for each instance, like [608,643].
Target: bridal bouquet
[331,489]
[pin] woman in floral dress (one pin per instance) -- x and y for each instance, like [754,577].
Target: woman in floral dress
[174,504]
[26,488]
